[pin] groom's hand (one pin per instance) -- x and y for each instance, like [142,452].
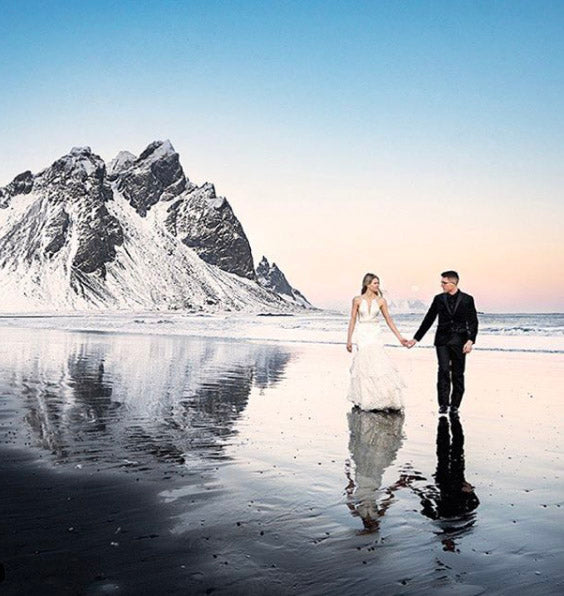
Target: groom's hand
[467,347]
[410,343]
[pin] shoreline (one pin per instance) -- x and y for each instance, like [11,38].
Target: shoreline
[320,328]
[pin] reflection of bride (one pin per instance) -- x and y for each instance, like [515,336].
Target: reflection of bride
[375,438]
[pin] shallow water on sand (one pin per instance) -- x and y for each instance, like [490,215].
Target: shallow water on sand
[260,477]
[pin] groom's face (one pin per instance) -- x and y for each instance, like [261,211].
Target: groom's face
[448,285]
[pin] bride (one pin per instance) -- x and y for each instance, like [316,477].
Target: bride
[375,383]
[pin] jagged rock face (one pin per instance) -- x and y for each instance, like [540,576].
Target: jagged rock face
[20,185]
[156,175]
[78,181]
[78,236]
[270,276]
[122,161]
[206,223]
[74,176]
[99,233]
[71,194]
[55,232]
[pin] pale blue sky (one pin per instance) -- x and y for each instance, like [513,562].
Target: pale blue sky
[372,133]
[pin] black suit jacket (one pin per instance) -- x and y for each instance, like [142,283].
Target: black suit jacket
[455,326]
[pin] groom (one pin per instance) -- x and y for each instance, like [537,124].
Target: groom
[455,336]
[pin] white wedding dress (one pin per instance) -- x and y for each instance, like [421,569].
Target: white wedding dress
[375,383]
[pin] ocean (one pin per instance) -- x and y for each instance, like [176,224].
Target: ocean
[528,332]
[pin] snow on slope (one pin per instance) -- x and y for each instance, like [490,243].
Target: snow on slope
[70,240]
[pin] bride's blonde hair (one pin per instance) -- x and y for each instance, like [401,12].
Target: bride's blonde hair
[367,280]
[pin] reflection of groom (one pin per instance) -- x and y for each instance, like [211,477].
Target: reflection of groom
[455,336]
[453,495]
[451,498]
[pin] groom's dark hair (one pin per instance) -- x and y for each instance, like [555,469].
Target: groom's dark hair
[450,275]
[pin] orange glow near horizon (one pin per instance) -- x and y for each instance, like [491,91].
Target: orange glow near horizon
[510,261]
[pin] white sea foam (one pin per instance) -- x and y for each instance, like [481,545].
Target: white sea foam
[536,333]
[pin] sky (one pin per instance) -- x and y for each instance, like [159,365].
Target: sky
[401,138]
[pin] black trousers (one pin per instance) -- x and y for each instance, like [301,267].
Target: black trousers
[450,374]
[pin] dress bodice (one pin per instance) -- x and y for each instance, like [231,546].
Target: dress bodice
[368,312]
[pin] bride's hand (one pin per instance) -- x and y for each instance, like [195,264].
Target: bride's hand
[404,342]
[349,346]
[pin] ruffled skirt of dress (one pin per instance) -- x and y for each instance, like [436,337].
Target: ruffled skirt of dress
[375,383]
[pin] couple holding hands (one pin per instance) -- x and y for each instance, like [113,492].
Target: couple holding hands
[375,383]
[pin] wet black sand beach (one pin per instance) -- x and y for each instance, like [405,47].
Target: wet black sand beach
[149,465]
[64,533]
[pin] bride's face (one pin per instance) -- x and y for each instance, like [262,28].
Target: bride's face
[374,285]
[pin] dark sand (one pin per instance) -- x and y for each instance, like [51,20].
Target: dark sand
[155,465]
[64,533]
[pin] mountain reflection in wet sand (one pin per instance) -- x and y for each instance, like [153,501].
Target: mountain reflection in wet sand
[134,401]
[146,464]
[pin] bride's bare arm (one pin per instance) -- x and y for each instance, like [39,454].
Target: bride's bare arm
[390,322]
[354,311]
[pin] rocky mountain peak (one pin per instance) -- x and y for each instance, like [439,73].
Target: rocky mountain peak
[122,161]
[271,277]
[206,223]
[207,192]
[158,150]
[21,184]
[68,222]
[80,150]
[156,175]
[78,174]
[80,162]
[208,188]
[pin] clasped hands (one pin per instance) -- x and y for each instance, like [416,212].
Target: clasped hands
[409,343]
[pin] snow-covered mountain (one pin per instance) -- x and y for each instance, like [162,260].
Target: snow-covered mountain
[272,278]
[137,234]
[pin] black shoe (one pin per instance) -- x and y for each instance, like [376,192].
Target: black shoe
[453,411]
[443,410]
